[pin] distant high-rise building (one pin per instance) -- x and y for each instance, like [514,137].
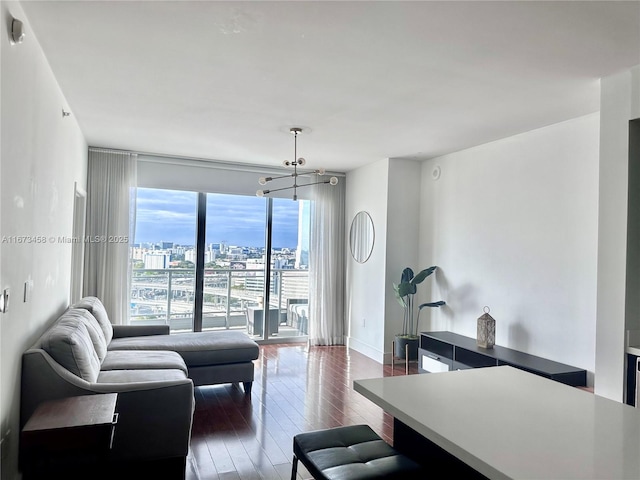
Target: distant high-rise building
[137,253]
[255,262]
[210,254]
[304,227]
[190,255]
[280,262]
[156,260]
[166,245]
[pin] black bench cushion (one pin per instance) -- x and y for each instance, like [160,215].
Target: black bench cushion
[352,452]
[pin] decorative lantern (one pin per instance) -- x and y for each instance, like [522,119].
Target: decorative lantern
[486,330]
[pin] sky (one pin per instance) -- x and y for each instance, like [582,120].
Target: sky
[170,216]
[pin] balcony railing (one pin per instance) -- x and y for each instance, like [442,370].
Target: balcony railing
[167,296]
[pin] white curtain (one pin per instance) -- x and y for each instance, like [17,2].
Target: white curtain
[327,266]
[111,196]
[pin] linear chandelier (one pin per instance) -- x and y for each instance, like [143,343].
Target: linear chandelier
[297,162]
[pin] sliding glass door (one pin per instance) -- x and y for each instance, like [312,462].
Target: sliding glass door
[289,291]
[234,259]
[214,261]
[163,258]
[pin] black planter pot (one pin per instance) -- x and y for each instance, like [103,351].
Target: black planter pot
[404,344]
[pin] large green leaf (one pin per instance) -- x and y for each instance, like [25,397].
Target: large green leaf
[407,275]
[432,304]
[396,289]
[406,288]
[419,278]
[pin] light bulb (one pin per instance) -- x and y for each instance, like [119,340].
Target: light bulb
[262,181]
[333,180]
[301,161]
[260,193]
[320,171]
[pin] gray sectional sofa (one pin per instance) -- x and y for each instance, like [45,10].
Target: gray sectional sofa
[153,372]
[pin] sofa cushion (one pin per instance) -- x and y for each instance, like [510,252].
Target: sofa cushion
[75,315]
[197,348]
[96,308]
[135,359]
[137,376]
[70,345]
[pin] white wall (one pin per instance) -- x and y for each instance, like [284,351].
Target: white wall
[619,103]
[389,191]
[403,226]
[512,224]
[365,304]
[43,155]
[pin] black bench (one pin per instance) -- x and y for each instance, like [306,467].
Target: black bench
[351,452]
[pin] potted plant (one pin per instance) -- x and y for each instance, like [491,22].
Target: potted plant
[405,291]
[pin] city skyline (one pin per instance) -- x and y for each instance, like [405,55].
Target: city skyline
[170,216]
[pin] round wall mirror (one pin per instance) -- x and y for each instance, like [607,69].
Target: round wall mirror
[361,237]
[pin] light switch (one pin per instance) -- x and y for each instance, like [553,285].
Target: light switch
[28,287]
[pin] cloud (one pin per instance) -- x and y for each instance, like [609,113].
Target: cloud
[170,215]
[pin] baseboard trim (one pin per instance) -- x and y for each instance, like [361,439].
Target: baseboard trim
[368,350]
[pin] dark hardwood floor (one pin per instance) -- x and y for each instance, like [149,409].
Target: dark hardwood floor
[296,388]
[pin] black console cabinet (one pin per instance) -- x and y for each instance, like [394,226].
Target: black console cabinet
[444,351]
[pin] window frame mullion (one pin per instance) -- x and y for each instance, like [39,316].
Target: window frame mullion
[200,250]
[267,269]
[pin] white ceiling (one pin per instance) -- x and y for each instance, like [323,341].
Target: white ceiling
[370,80]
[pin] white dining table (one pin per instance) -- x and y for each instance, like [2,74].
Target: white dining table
[506,423]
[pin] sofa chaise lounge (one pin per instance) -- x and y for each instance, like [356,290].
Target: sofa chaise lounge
[153,372]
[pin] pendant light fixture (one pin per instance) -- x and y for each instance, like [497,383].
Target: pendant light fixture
[297,162]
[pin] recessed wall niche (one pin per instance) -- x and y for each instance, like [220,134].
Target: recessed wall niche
[632,287]
[632,306]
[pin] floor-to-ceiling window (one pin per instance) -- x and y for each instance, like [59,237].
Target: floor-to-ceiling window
[219,261]
[163,258]
[234,259]
[289,292]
